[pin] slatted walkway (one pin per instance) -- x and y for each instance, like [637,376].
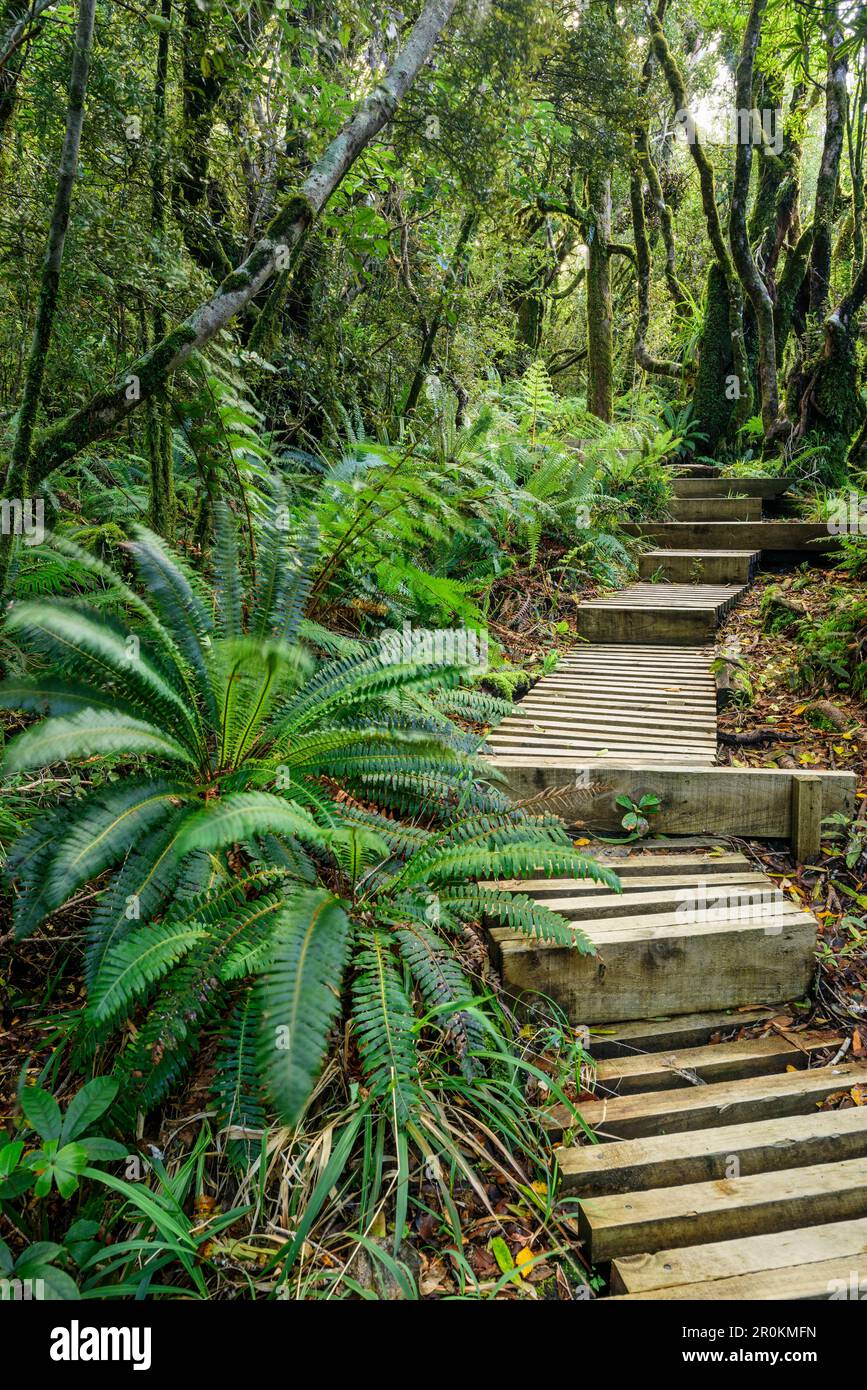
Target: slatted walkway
[652,704]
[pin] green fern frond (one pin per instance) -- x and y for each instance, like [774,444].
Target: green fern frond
[386,1026]
[132,966]
[245,816]
[93,650]
[237,1086]
[443,987]
[301,995]
[73,737]
[474,904]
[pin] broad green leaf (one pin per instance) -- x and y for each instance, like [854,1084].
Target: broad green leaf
[42,1112]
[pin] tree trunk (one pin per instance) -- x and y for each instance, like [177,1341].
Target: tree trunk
[830,400]
[18,471]
[163,501]
[201,91]
[19,25]
[829,169]
[277,249]
[742,255]
[453,276]
[743,385]
[656,366]
[600,368]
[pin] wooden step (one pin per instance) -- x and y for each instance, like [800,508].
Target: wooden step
[746,802]
[807,539]
[688,1030]
[748,1101]
[704,942]
[722,1262]
[706,1155]
[731,487]
[699,566]
[691,1066]
[679,614]
[695,1213]
[844,1278]
[715,508]
[697,470]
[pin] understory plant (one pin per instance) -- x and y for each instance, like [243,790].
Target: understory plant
[235,825]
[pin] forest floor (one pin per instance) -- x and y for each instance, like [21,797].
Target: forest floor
[809,718]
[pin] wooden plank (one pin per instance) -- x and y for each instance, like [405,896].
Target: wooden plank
[727,1259]
[729,487]
[644,867]
[716,508]
[755,1099]
[706,1155]
[844,1278]
[726,895]
[689,626]
[806,817]
[692,1214]
[662,1071]
[672,967]
[688,1030]
[701,567]
[721,800]
[810,539]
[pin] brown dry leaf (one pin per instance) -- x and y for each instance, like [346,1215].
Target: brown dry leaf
[434,1278]
[857,1044]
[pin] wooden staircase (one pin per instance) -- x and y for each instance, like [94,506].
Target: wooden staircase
[723,1166]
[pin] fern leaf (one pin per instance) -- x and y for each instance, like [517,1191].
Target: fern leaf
[132,966]
[516,910]
[244,816]
[386,1026]
[302,997]
[69,738]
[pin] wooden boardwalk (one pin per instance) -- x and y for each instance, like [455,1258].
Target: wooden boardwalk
[727,1164]
[650,703]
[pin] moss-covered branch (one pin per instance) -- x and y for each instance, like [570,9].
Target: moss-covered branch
[829,167]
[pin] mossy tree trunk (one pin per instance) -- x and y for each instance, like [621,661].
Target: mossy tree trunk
[830,402]
[655,365]
[201,92]
[741,385]
[600,357]
[163,500]
[745,265]
[829,168]
[276,250]
[713,400]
